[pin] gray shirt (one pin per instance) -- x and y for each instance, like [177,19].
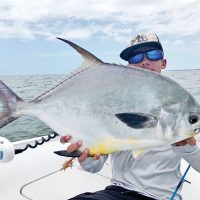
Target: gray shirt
[155,173]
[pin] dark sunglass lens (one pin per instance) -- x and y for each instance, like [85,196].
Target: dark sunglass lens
[136,59]
[155,55]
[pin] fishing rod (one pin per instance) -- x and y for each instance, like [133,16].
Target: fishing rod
[180,183]
[8,152]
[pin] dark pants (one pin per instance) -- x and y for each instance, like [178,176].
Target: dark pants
[112,193]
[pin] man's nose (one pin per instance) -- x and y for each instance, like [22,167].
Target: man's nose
[145,61]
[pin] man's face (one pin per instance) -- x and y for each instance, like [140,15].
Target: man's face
[151,65]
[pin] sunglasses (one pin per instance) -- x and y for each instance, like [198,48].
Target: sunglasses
[151,55]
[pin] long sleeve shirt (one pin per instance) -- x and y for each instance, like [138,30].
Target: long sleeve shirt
[155,173]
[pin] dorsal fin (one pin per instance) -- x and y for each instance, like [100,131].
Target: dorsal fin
[89,59]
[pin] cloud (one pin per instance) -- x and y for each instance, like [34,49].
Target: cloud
[113,19]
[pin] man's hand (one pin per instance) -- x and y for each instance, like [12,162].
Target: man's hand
[191,141]
[76,146]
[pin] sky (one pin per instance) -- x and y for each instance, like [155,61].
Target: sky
[28,31]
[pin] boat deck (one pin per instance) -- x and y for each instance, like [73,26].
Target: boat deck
[36,174]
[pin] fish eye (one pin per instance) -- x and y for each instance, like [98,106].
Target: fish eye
[193,119]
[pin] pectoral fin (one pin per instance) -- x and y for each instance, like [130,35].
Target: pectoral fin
[138,120]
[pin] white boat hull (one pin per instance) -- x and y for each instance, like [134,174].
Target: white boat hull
[36,173]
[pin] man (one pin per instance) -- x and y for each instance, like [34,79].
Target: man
[154,174]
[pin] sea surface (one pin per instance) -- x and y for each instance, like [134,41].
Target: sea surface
[30,86]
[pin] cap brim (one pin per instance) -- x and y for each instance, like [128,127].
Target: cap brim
[127,53]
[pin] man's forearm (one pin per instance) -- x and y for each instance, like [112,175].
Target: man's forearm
[92,165]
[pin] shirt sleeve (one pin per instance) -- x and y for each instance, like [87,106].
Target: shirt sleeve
[93,166]
[190,153]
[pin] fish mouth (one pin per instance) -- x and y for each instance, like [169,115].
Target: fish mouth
[197,130]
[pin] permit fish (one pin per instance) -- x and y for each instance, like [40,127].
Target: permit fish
[110,107]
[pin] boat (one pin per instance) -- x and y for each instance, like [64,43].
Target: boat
[35,174]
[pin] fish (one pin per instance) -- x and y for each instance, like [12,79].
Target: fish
[110,107]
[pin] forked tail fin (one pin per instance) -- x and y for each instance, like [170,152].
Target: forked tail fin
[9,100]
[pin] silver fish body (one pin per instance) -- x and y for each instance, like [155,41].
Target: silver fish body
[112,108]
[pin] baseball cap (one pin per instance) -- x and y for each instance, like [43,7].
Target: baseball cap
[141,42]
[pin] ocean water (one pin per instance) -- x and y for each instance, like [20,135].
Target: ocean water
[28,87]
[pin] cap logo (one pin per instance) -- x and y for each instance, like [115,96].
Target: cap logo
[142,38]
[139,39]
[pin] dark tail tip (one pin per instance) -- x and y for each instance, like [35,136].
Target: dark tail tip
[64,153]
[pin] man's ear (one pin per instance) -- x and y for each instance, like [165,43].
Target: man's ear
[164,62]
